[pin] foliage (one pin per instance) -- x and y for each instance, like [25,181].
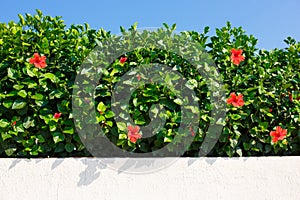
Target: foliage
[30,96]
[36,118]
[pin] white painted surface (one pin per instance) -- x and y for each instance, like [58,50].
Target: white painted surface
[188,179]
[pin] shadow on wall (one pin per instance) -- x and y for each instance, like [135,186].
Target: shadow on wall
[91,168]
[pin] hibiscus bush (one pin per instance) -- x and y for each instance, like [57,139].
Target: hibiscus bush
[269,83]
[40,58]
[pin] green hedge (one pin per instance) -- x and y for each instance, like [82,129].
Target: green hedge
[36,117]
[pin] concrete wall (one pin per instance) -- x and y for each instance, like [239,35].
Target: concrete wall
[202,178]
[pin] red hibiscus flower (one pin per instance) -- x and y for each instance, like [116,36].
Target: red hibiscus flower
[236,101]
[278,134]
[133,133]
[14,123]
[270,110]
[38,61]
[123,60]
[138,77]
[56,115]
[236,56]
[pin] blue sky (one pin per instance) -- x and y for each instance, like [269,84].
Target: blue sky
[271,21]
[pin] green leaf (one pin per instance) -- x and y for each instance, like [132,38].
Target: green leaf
[178,101]
[166,25]
[22,93]
[168,139]
[32,85]
[246,146]
[8,103]
[63,106]
[60,147]
[4,123]
[12,93]
[13,132]
[235,116]
[191,84]
[5,136]
[122,136]
[51,76]
[19,128]
[122,126]
[31,73]
[52,125]
[56,94]
[135,102]
[168,80]
[10,151]
[11,73]
[140,120]
[109,114]
[264,125]
[101,107]
[170,104]
[22,20]
[37,96]
[58,137]
[205,117]
[18,104]
[39,12]
[239,151]
[41,139]
[45,44]
[69,130]
[109,123]
[28,122]
[173,27]
[121,142]
[69,147]
[18,86]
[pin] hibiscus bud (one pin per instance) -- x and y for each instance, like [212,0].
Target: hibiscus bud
[57,115]
[123,60]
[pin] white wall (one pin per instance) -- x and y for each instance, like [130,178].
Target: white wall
[202,178]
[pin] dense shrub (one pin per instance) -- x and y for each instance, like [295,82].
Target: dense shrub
[31,96]
[36,102]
